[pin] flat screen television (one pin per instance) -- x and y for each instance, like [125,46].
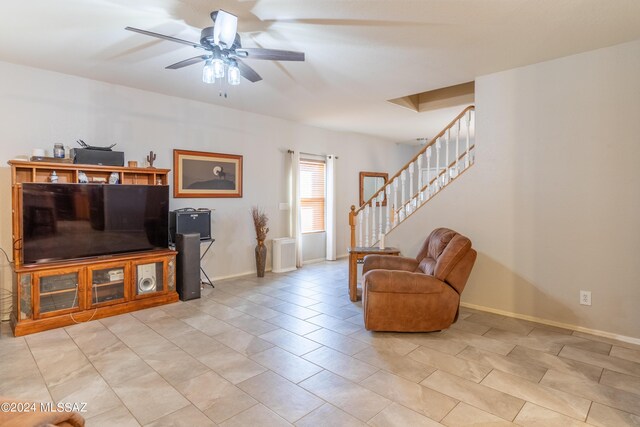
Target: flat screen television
[71,221]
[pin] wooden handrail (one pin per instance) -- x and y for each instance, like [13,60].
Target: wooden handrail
[354,212]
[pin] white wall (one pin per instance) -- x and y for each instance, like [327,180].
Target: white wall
[314,246]
[553,202]
[40,108]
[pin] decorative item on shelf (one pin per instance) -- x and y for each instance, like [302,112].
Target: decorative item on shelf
[53,177]
[99,179]
[116,275]
[93,147]
[151,158]
[159,181]
[114,178]
[40,155]
[133,164]
[58,151]
[260,220]
[82,178]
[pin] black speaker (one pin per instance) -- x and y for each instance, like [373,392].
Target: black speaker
[188,266]
[190,221]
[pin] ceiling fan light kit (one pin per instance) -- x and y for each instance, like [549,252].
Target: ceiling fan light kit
[224,51]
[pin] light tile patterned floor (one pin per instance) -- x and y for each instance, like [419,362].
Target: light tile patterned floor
[292,349]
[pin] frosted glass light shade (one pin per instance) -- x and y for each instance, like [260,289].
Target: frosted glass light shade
[218,68]
[207,73]
[234,75]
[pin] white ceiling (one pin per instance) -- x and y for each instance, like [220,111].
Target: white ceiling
[359,53]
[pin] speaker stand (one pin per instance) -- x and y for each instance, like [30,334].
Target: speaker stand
[208,282]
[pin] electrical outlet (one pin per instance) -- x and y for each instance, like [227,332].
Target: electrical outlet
[585,297]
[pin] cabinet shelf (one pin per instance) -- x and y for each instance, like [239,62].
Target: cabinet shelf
[100,285]
[59,291]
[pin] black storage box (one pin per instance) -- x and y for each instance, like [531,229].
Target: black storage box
[86,156]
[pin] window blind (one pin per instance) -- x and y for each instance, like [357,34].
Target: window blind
[312,195]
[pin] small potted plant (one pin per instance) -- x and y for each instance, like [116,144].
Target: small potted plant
[260,220]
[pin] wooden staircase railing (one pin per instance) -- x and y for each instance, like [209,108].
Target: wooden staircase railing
[456,141]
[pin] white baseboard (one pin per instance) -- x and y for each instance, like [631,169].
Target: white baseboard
[313,261]
[596,332]
[234,275]
[343,256]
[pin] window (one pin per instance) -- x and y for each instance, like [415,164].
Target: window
[312,190]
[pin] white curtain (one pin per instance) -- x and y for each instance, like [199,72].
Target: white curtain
[331,207]
[294,204]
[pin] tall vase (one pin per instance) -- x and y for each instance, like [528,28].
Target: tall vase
[261,257]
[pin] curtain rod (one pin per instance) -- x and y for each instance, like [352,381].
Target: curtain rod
[312,154]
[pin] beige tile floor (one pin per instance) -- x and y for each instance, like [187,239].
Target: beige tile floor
[291,349]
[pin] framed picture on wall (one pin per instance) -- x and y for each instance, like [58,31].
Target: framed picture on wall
[202,174]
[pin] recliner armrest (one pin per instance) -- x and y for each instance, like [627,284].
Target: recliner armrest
[388,262]
[405,282]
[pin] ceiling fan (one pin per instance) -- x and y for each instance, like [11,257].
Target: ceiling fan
[224,53]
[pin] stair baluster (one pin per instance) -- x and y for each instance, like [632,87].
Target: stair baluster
[379,217]
[438,145]
[420,195]
[403,179]
[388,196]
[446,176]
[366,225]
[409,206]
[396,219]
[360,222]
[428,154]
[468,137]
[457,149]
[373,222]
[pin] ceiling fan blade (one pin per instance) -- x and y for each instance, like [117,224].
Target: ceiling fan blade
[248,72]
[162,36]
[187,62]
[271,54]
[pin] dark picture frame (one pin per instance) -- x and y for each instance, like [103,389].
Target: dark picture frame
[203,174]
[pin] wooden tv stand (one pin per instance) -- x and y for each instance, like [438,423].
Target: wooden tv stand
[52,295]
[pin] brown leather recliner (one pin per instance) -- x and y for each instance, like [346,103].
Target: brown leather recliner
[417,295]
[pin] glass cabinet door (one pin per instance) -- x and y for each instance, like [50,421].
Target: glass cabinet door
[149,278]
[58,292]
[107,284]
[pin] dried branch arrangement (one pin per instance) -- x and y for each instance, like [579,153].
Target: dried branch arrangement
[260,220]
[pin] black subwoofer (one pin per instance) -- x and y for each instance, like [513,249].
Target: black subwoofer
[188,266]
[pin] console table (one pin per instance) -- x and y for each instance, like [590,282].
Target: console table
[356,256]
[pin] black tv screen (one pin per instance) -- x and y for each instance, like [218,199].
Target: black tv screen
[70,221]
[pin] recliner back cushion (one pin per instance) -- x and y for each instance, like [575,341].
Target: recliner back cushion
[435,244]
[449,258]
